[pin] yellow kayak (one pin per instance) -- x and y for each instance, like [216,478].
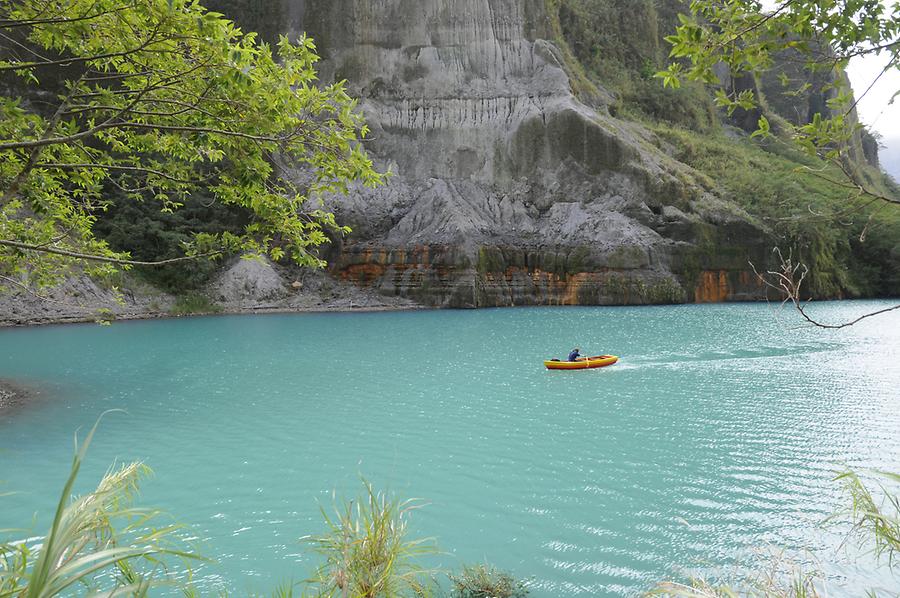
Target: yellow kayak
[582,363]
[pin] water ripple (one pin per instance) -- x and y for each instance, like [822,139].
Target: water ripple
[715,436]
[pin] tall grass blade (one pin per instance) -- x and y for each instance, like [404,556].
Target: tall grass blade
[84,547]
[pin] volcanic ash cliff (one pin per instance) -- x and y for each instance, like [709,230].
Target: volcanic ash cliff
[506,189]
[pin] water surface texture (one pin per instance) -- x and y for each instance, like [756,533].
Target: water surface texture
[715,437]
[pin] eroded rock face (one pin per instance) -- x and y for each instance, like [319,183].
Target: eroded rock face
[257,285]
[248,281]
[507,190]
[78,298]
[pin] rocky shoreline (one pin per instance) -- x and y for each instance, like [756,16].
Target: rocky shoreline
[12,396]
[136,316]
[245,286]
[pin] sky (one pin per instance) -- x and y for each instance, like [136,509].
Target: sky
[875,110]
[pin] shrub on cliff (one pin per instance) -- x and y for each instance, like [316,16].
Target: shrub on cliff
[781,188]
[146,234]
[805,45]
[160,99]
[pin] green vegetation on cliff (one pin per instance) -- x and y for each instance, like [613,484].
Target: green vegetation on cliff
[620,45]
[850,246]
[139,229]
[782,189]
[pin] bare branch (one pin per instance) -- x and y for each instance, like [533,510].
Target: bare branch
[859,97]
[22,46]
[789,280]
[853,183]
[845,324]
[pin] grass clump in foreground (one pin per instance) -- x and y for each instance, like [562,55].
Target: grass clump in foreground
[101,545]
[875,524]
[98,544]
[483,581]
[367,552]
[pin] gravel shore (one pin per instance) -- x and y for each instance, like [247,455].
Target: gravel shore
[243,286]
[12,396]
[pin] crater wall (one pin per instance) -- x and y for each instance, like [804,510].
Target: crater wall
[505,188]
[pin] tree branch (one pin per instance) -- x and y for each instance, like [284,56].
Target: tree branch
[788,282]
[137,169]
[859,98]
[12,24]
[76,59]
[845,324]
[102,258]
[35,152]
[225,132]
[109,123]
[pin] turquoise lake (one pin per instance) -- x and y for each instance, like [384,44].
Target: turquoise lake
[711,443]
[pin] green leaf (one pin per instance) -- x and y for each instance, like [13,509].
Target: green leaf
[762,128]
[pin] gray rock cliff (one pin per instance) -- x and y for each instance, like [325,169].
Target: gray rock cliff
[507,189]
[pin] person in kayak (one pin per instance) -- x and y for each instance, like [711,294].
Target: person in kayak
[575,354]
